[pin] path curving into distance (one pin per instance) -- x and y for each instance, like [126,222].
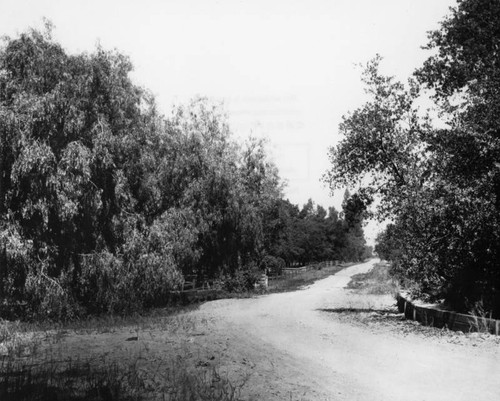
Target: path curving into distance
[297,349]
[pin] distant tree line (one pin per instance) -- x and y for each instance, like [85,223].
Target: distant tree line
[438,184]
[311,234]
[106,205]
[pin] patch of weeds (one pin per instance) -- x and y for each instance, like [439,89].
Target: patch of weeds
[375,282]
[108,323]
[297,281]
[69,380]
[93,324]
[48,375]
[389,320]
[480,317]
[174,380]
[16,342]
[203,381]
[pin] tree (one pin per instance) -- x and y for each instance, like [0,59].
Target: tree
[74,132]
[388,243]
[438,186]
[354,210]
[105,204]
[464,74]
[335,235]
[279,241]
[467,64]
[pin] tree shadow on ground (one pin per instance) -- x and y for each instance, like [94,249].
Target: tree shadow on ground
[381,311]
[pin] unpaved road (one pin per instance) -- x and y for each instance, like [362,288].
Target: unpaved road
[318,343]
[297,348]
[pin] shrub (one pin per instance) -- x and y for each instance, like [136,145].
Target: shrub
[50,298]
[15,254]
[141,276]
[241,280]
[272,265]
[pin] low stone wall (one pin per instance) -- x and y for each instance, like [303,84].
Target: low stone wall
[452,320]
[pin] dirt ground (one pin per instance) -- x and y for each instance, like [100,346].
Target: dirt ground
[323,342]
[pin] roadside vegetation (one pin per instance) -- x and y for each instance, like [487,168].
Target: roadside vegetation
[435,173]
[37,363]
[378,281]
[109,208]
[297,281]
[107,205]
[372,305]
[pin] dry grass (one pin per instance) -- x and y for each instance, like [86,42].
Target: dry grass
[299,280]
[376,282]
[36,364]
[67,380]
[366,310]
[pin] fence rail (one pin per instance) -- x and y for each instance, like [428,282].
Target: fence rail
[295,270]
[441,318]
[291,271]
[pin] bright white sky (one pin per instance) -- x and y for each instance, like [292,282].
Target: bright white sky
[285,69]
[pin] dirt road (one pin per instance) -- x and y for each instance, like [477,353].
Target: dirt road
[324,342]
[294,346]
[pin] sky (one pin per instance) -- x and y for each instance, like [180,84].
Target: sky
[284,70]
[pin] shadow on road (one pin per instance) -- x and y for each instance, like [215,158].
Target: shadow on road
[383,311]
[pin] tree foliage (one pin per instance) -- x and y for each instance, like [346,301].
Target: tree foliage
[439,186]
[106,205]
[310,234]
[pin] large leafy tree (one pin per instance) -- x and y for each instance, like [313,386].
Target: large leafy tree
[464,74]
[354,210]
[74,130]
[439,186]
[310,234]
[106,205]
[104,202]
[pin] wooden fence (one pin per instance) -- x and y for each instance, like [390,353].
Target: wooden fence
[290,271]
[310,266]
[451,320]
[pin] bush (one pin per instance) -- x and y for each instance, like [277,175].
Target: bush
[14,257]
[272,265]
[241,280]
[142,276]
[50,298]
